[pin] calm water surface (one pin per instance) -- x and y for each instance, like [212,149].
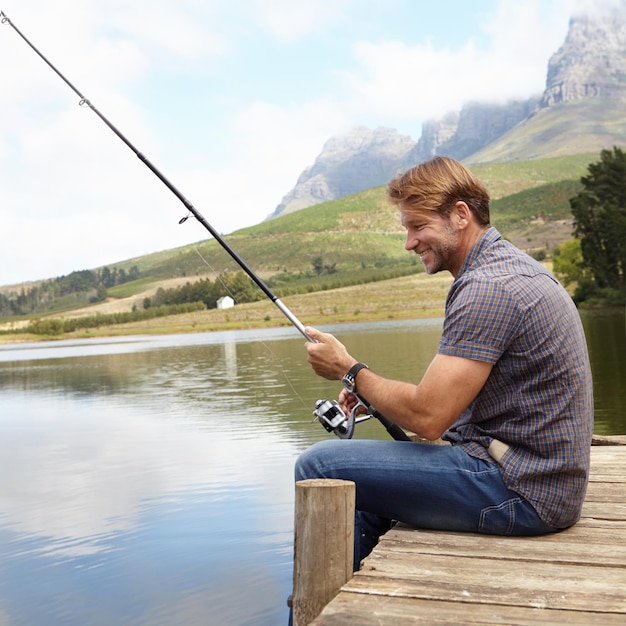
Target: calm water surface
[148,480]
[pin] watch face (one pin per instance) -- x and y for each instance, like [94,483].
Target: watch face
[348,380]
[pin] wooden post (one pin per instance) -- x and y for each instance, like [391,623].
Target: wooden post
[323,544]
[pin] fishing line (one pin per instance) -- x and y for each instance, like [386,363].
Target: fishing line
[393,429]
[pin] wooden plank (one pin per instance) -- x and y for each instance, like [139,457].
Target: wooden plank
[607,492]
[564,586]
[574,545]
[608,440]
[604,510]
[349,609]
[609,467]
[592,522]
[605,478]
[453,540]
[602,454]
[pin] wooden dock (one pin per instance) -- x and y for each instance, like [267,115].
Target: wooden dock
[577,576]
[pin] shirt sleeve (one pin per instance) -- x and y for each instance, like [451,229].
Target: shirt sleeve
[482,319]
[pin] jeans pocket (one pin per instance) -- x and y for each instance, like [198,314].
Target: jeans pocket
[500,519]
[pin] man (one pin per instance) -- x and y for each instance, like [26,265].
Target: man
[510,387]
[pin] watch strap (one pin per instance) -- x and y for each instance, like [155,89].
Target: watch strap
[349,379]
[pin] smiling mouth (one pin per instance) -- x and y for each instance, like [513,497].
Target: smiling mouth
[423,253]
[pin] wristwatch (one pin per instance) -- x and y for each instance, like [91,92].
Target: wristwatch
[349,380]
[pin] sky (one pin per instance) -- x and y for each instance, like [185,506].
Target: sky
[231,100]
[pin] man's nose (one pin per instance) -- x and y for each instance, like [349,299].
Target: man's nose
[410,241]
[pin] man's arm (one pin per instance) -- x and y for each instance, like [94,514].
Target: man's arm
[428,408]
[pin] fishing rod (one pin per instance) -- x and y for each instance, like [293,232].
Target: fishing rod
[328,413]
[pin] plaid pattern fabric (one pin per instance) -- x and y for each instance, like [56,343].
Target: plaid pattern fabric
[505,308]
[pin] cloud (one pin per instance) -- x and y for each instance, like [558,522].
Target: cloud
[594,6]
[288,20]
[182,31]
[422,81]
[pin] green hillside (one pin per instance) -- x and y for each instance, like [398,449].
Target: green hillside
[353,240]
[506,179]
[576,127]
[364,229]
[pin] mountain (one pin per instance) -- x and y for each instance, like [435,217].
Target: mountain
[591,63]
[477,125]
[358,160]
[580,111]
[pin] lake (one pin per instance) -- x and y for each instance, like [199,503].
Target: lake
[148,480]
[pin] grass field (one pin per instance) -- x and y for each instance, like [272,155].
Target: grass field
[414,296]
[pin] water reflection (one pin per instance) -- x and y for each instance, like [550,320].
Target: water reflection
[606,338]
[144,486]
[114,512]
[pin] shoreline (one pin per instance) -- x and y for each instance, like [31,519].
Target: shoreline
[160,326]
[415,296]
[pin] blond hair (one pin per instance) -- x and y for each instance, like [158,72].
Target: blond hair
[438,184]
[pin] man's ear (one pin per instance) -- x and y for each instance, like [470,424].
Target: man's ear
[461,214]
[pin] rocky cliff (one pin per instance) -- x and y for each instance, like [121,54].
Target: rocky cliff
[461,134]
[359,159]
[591,63]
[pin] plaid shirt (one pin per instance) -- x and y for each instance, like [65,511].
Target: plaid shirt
[504,308]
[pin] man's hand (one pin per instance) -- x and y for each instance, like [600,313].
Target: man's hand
[347,401]
[327,355]
[449,385]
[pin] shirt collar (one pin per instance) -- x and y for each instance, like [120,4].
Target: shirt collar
[490,236]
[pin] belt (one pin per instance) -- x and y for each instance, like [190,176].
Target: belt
[497,449]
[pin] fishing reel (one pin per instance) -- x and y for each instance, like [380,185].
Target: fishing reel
[331,416]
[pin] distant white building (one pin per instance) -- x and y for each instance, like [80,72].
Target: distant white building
[226,302]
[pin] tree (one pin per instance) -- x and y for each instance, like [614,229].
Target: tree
[318,265]
[599,212]
[241,288]
[100,295]
[568,262]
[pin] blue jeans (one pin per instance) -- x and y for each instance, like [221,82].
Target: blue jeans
[425,485]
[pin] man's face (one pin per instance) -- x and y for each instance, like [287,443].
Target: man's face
[433,238]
